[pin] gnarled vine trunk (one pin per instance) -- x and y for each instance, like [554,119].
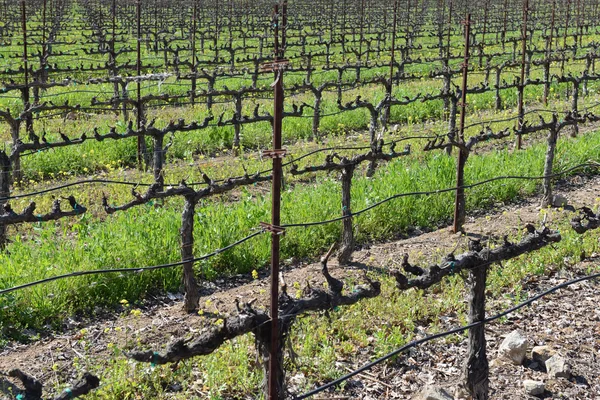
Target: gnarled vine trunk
[477,368]
[4,191]
[347,245]
[192,294]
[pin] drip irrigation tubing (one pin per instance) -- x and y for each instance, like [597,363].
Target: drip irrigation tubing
[304,225]
[131,270]
[429,338]
[439,191]
[128,183]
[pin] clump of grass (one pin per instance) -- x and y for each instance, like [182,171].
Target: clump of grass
[148,235]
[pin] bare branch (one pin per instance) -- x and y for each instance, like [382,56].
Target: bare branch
[473,259]
[9,217]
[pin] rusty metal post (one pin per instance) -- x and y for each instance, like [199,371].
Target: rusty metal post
[394,29]
[362,29]
[275,365]
[549,55]
[566,35]
[193,44]
[390,86]
[25,92]
[448,46]
[522,79]
[505,19]
[459,204]
[140,155]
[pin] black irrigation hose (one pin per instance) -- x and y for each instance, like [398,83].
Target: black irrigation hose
[131,270]
[66,185]
[115,182]
[528,112]
[107,181]
[216,252]
[396,141]
[415,343]
[397,196]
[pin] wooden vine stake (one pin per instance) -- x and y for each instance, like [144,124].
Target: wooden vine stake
[193,46]
[16,167]
[112,60]
[446,68]
[548,60]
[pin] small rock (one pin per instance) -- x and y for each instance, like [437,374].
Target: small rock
[534,365]
[461,392]
[534,388]
[513,348]
[558,367]
[541,354]
[497,362]
[174,388]
[298,379]
[434,393]
[175,296]
[559,200]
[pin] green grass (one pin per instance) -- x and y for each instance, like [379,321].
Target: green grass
[148,235]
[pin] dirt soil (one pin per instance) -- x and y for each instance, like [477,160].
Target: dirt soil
[569,320]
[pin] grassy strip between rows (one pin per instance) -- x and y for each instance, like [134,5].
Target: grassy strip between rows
[148,235]
[109,154]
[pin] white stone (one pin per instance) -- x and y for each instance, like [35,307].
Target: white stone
[558,367]
[559,200]
[434,393]
[541,354]
[298,379]
[534,388]
[514,348]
